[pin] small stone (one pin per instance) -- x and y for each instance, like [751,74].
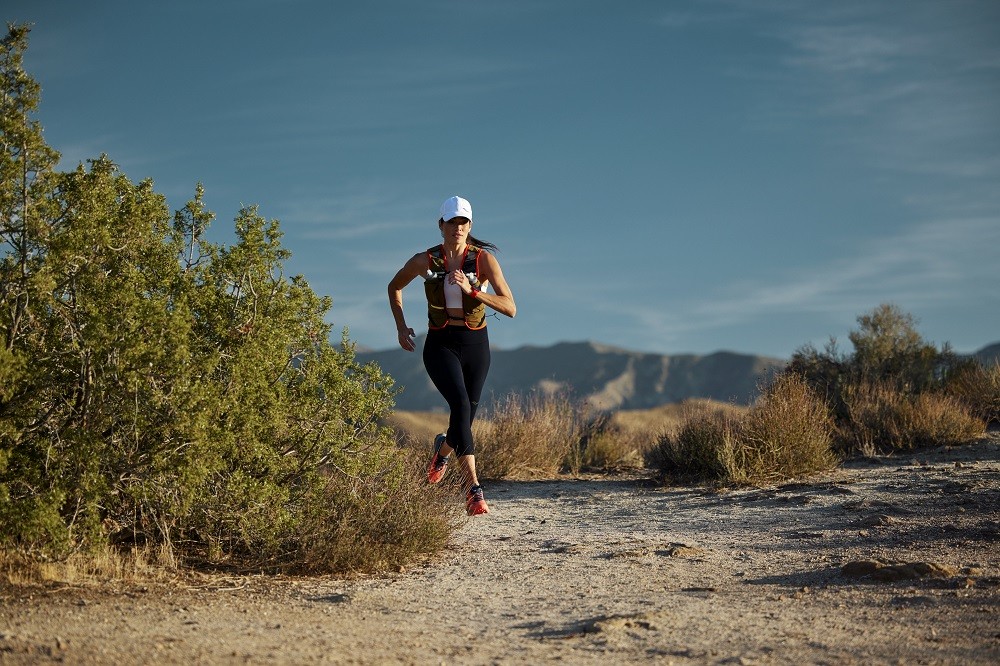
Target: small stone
[861,568]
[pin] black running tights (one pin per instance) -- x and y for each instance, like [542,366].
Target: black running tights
[457,360]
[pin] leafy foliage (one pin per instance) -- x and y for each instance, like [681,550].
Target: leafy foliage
[159,389]
[890,392]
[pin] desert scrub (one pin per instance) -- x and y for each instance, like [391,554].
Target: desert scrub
[526,436]
[880,418]
[606,446]
[699,450]
[897,392]
[978,388]
[374,524]
[788,432]
[184,397]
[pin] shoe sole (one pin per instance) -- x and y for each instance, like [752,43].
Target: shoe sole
[477,508]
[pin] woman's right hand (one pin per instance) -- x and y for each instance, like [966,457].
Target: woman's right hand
[406,339]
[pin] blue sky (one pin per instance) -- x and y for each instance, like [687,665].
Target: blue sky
[671,177]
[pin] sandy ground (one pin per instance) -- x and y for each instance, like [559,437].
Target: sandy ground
[599,571]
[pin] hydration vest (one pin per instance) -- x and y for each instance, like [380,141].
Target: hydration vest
[437,313]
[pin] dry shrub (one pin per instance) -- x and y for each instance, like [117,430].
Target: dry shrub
[526,437]
[936,419]
[375,525]
[978,388]
[606,446]
[636,434]
[699,449]
[881,418]
[649,424]
[787,433]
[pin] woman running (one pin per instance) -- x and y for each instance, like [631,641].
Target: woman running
[457,349]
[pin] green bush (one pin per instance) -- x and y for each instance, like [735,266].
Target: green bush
[895,391]
[168,392]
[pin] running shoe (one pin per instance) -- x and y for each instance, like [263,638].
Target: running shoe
[475,503]
[439,463]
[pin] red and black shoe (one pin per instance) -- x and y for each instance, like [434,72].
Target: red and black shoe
[439,464]
[475,503]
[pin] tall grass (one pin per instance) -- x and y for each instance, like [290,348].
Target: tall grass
[527,436]
[880,418]
[103,565]
[538,435]
[788,432]
[608,447]
[978,388]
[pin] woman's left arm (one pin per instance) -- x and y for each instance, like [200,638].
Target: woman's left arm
[501,300]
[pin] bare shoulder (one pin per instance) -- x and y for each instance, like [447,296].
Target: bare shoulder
[492,266]
[491,261]
[414,267]
[417,263]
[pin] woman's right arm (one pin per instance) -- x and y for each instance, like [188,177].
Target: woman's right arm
[413,268]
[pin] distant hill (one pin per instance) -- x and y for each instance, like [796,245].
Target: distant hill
[989,354]
[606,377]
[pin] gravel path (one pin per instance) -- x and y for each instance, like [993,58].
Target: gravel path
[603,570]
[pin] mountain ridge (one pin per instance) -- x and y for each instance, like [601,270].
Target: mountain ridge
[605,376]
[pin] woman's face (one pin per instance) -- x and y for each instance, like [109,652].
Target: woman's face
[456,229]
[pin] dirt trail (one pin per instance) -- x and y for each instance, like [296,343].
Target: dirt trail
[598,571]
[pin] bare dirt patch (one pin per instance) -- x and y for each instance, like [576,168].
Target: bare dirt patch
[603,570]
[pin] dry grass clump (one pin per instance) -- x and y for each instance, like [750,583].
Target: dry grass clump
[671,417]
[378,524]
[100,566]
[787,433]
[881,418]
[699,449]
[607,447]
[526,437]
[978,388]
[625,439]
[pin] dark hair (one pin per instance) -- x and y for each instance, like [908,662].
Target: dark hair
[472,240]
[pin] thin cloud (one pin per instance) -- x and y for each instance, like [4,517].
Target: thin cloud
[837,49]
[925,265]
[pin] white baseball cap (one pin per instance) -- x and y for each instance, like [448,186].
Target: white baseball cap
[456,207]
